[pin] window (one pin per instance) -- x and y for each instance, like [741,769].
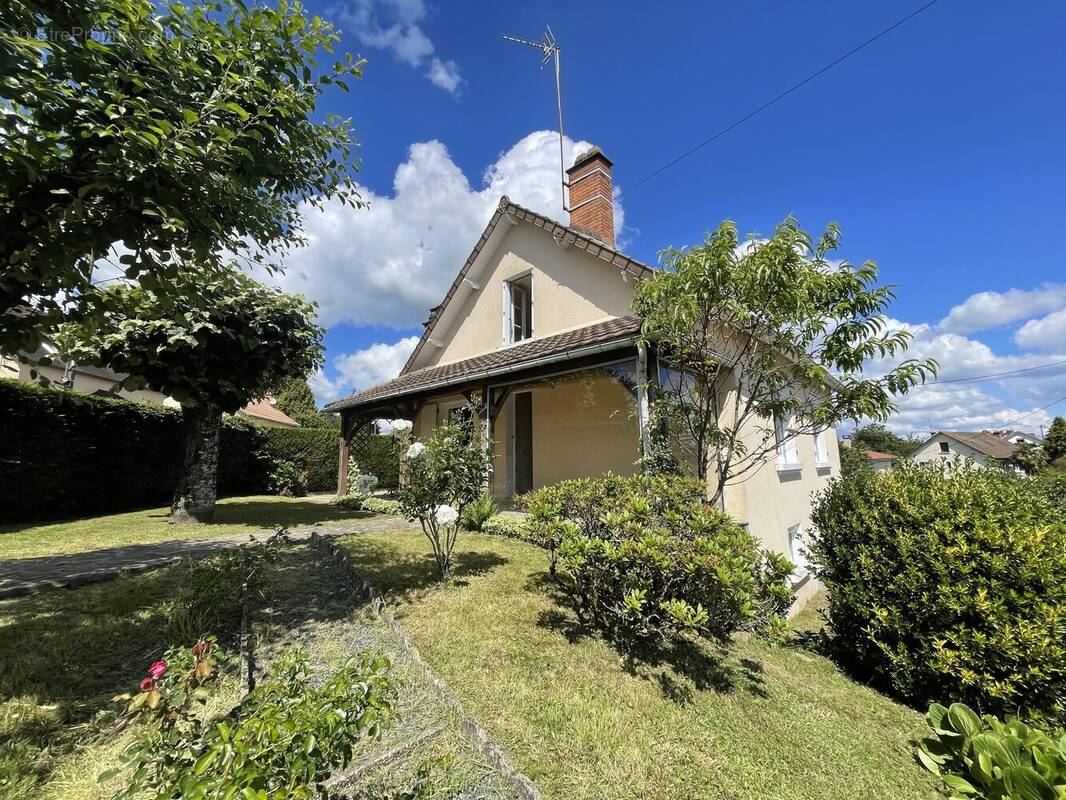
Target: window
[945,448]
[787,458]
[518,309]
[797,553]
[821,450]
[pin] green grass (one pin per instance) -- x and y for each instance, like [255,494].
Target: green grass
[233,515]
[585,722]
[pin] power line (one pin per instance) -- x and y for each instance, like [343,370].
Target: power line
[781,96]
[995,374]
[1023,416]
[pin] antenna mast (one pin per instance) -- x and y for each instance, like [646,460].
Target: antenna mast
[550,50]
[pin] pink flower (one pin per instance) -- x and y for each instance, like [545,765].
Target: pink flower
[147,685]
[158,669]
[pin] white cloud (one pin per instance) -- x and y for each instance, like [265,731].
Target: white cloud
[1047,334]
[445,74]
[376,364]
[390,263]
[995,402]
[395,26]
[986,310]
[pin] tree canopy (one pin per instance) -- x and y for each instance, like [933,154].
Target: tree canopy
[178,132]
[876,436]
[766,340]
[294,397]
[1055,441]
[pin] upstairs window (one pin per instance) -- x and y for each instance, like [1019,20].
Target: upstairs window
[518,309]
[945,448]
[821,449]
[787,457]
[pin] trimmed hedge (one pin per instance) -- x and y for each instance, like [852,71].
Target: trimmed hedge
[65,454]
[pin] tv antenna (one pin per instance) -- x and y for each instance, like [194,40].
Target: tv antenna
[550,50]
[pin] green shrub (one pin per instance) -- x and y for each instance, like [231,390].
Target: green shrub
[314,451]
[283,741]
[948,585]
[512,525]
[288,480]
[382,505]
[478,513]
[648,559]
[990,759]
[1053,484]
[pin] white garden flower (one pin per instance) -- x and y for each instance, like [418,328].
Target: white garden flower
[401,425]
[446,515]
[415,450]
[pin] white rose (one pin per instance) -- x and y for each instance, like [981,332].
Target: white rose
[401,425]
[415,450]
[446,515]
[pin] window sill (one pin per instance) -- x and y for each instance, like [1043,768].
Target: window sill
[821,467]
[507,345]
[789,467]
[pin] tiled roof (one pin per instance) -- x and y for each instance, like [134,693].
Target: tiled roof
[986,443]
[262,409]
[874,455]
[561,233]
[620,330]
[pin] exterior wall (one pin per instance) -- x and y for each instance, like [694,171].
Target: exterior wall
[571,289]
[930,451]
[881,466]
[583,425]
[83,382]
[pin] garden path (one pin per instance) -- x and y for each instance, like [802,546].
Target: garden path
[26,575]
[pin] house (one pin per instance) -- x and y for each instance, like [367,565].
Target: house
[537,337]
[100,380]
[984,449]
[1016,437]
[880,462]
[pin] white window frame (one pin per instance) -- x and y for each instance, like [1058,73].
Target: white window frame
[508,309]
[787,453]
[821,451]
[797,554]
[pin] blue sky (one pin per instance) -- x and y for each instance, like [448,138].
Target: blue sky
[938,149]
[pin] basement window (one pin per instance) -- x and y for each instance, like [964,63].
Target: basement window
[518,309]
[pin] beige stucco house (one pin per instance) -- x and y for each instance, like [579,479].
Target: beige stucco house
[982,448]
[537,337]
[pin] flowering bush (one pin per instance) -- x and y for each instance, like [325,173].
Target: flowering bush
[443,477]
[360,485]
[646,558]
[288,480]
[284,739]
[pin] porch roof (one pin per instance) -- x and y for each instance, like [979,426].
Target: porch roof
[610,334]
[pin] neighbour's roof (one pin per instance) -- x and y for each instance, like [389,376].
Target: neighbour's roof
[873,455]
[562,234]
[561,346]
[985,443]
[264,410]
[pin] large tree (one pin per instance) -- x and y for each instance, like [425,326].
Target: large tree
[213,340]
[181,131]
[876,436]
[1055,442]
[766,341]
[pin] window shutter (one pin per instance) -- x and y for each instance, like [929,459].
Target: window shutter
[506,336]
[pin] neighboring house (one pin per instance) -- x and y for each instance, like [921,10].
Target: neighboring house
[536,336]
[266,412]
[102,381]
[880,462]
[981,447]
[1016,437]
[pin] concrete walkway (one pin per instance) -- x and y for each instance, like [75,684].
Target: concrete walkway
[26,575]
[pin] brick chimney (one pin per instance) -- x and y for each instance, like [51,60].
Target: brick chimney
[591,208]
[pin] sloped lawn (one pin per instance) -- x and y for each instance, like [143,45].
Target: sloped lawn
[233,516]
[585,722]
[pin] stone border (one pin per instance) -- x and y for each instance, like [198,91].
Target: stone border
[468,726]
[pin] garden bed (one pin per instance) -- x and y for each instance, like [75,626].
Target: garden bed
[68,652]
[584,721]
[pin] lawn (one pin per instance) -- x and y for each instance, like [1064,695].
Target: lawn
[585,722]
[233,515]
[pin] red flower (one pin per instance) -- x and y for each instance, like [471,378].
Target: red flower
[147,685]
[202,648]
[158,669]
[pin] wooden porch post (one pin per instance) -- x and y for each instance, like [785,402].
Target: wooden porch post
[342,456]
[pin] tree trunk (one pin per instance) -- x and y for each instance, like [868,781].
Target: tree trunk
[194,499]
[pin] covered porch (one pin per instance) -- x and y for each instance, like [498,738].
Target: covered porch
[568,406]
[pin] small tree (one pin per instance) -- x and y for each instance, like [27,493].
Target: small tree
[1030,457]
[443,476]
[175,128]
[766,340]
[213,340]
[1055,441]
[876,436]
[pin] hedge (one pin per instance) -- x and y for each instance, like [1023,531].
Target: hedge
[65,454]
